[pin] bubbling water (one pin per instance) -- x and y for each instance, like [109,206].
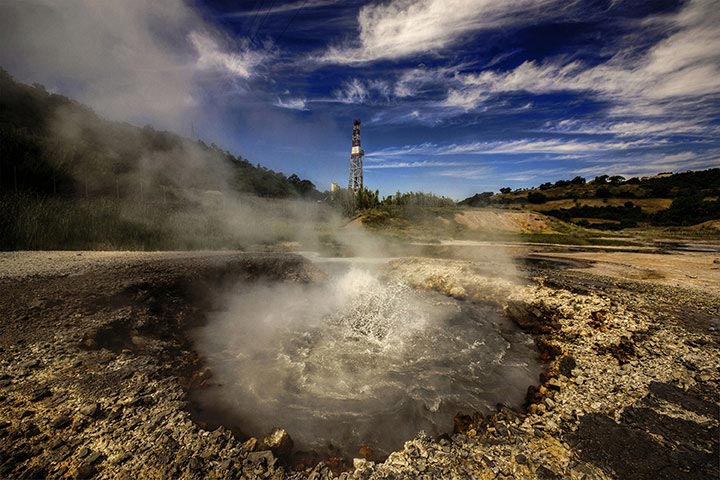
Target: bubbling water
[356,361]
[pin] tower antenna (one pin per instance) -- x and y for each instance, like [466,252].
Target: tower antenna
[356,158]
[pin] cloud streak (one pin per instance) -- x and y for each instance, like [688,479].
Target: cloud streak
[567,149]
[401,28]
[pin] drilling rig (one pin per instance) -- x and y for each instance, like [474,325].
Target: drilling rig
[356,160]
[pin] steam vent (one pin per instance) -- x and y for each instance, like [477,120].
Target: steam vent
[356,155]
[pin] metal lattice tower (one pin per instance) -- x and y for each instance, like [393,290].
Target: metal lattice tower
[356,156]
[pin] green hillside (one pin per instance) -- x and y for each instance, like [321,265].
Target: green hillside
[614,203]
[73,180]
[52,145]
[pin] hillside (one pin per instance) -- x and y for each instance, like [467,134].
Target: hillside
[52,145]
[70,179]
[614,203]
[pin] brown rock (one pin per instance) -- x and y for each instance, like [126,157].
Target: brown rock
[278,442]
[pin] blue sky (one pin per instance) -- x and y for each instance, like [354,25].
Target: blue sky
[455,96]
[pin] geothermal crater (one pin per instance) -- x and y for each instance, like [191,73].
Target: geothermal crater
[356,363]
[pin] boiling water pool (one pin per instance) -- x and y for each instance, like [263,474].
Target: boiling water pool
[356,362]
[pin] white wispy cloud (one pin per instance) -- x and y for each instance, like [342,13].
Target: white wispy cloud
[400,28]
[418,164]
[291,103]
[563,149]
[654,164]
[634,128]
[357,91]
[289,7]
[210,56]
[472,172]
[685,65]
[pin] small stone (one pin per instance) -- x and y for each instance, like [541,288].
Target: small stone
[362,464]
[86,470]
[549,403]
[554,384]
[84,451]
[94,457]
[250,445]
[56,443]
[61,422]
[89,409]
[40,394]
[195,464]
[30,364]
[120,458]
[279,442]
[260,457]
[703,377]
[521,459]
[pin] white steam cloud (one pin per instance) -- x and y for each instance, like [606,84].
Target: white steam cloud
[127,60]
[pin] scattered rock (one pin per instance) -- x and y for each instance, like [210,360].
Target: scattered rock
[265,456]
[86,470]
[29,364]
[566,365]
[89,409]
[362,464]
[39,394]
[94,457]
[279,442]
[554,384]
[61,422]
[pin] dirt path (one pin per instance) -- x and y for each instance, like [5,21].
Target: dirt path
[697,270]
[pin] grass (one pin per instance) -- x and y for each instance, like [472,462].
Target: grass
[32,222]
[648,205]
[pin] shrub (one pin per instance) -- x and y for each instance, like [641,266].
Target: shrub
[536,197]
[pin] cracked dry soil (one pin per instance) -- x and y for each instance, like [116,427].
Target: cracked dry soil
[96,366]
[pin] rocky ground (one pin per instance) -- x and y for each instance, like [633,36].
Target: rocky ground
[96,365]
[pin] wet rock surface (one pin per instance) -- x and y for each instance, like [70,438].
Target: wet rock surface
[96,365]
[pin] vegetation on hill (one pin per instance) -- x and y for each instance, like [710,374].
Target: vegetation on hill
[71,179]
[52,145]
[614,203]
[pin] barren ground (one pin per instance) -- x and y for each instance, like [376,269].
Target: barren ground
[96,365]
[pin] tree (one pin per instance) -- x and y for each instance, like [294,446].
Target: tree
[536,197]
[303,187]
[546,186]
[617,179]
[578,180]
[365,199]
[602,192]
[601,179]
[505,190]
